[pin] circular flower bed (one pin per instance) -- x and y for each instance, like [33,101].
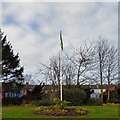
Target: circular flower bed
[56,111]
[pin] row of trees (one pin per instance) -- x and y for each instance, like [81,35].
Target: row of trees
[96,63]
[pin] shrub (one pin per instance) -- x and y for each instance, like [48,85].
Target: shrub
[92,101]
[60,104]
[12,101]
[75,96]
[57,101]
[55,94]
[114,100]
[43,103]
[114,96]
[65,103]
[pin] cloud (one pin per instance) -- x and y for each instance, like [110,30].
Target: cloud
[60,1]
[33,28]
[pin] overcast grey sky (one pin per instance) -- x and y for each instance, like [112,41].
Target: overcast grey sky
[33,27]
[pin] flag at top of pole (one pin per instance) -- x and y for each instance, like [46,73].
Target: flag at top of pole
[61,41]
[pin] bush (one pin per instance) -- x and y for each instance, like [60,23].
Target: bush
[55,94]
[92,101]
[114,100]
[57,101]
[114,96]
[76,96]
[60,104]
[43,103]
[12,101]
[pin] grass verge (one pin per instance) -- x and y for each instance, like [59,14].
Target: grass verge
[23,111]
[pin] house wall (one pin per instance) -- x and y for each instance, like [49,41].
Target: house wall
[96,93]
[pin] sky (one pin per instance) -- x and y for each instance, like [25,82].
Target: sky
[33,27]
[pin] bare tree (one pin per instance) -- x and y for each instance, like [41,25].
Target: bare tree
[102,50]
[51,71]
[81,58]
[111,67]
[28,78]
[93,64]
[68,73]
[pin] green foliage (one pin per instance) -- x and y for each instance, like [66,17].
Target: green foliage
[57,101]
[55,94]
[114,96]
[93,102]
[10,62]
[60,104]
[65,103]
[36,94]
[76,96]
[44,102]
[57,111]
[12,101]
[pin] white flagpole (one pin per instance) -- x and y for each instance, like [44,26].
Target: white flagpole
[61,49]
[61,75]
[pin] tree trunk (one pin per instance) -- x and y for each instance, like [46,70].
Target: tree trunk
[108,95]
[108,77]
[101,83]
[78,75]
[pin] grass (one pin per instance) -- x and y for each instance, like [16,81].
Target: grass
[24,111]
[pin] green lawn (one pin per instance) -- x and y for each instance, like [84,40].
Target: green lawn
[107,111]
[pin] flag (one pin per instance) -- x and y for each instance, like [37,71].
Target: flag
[61,41]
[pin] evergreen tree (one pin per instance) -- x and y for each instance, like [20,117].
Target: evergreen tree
[11,69]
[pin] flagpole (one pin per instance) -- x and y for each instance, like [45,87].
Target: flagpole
[61,75]
[61,49]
